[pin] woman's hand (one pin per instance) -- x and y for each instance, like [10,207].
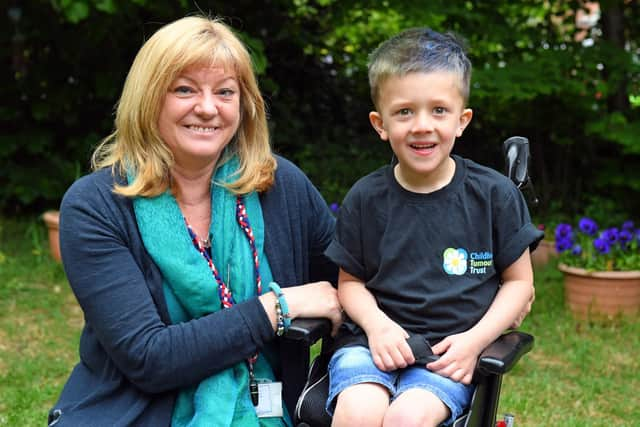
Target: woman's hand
[317,299]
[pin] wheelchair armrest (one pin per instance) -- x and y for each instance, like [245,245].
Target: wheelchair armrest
[308,330]
[504,353]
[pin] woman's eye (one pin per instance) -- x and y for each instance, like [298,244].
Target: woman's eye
[226,92]
[183,90]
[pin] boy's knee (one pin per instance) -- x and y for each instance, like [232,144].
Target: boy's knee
[361,405]
[416,408]
[354,417]
[412,418]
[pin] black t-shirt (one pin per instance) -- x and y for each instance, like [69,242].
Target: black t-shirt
[432,261]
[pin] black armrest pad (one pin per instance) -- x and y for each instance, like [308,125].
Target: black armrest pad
[504,352]
[308,330]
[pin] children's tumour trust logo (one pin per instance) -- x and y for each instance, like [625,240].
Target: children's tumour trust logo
[455,261]
[458,261]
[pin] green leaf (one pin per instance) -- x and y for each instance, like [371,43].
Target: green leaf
[107,6]
[76,11]
[615,127]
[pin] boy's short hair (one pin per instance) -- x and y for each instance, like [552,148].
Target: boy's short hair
[418,50]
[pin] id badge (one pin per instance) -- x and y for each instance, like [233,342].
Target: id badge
[270,400]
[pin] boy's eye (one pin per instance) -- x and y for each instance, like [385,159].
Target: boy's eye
[439,110]
[404,111]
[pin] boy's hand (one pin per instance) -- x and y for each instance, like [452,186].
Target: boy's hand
[458,358]
[388,345]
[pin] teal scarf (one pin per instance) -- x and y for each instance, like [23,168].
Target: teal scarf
[191,292]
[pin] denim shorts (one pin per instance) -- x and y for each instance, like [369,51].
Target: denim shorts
[354,365]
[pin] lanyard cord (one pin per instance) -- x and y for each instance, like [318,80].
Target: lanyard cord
[226,298]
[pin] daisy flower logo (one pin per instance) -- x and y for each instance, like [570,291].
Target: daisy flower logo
[455,261]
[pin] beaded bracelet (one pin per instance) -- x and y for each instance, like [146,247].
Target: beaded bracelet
[279,320]
[283,318]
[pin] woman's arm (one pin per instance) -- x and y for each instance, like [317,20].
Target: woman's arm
[299,227]
[119,291]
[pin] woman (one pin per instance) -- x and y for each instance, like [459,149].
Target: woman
[186,245]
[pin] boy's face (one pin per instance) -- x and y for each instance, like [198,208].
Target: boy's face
[421,115]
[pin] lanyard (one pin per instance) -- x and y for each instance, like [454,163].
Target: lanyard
[226,298]
[224,292]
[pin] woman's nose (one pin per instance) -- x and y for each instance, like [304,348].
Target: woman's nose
[206,105]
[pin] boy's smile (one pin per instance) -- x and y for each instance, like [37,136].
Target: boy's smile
[421,115]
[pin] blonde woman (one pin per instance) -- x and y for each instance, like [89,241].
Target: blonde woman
[190,247]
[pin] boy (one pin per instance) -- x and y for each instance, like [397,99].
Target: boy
[435,245]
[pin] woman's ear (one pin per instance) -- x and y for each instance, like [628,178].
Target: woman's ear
[376,121]
[465,119]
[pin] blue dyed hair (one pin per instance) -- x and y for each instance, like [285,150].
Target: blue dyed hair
[419,50]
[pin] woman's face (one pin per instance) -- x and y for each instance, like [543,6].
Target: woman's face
[200,115]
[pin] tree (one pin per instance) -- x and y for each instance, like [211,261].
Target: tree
[575,99]
[534,76]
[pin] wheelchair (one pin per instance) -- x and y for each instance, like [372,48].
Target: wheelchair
[305,400]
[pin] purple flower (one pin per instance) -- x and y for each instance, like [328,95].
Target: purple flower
[624,237]
[563,231]
[588,226]
[576,249]
[611,235]
[334,207]
[563,244]
[602,245]
[628,225]
[588,245]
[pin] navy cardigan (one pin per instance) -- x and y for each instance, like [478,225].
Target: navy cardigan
[132,359]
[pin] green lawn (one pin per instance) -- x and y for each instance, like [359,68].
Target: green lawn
[39,325]
[579,374]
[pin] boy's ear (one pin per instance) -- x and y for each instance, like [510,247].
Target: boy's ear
[376,121]
[465,118]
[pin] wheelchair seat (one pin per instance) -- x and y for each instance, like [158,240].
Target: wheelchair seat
[496,360]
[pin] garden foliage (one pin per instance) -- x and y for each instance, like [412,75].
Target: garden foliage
[577,102]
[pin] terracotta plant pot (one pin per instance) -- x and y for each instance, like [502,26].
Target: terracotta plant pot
[601,294]
[543,253]
[52,219]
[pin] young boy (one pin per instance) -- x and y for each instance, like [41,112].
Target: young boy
[434,245]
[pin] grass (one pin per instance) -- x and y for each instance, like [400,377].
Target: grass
[579,373]
[39,325]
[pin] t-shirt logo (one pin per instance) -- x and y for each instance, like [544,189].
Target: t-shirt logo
[455,261]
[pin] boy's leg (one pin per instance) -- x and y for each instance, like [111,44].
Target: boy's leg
[439,392]
[361,405]
[416,407]
[358,391]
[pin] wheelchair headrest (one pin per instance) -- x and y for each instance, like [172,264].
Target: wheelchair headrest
[516,153]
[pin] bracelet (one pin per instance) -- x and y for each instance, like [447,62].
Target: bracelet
[282,309]
[279,320]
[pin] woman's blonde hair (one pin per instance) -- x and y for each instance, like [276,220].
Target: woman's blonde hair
[135,146]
